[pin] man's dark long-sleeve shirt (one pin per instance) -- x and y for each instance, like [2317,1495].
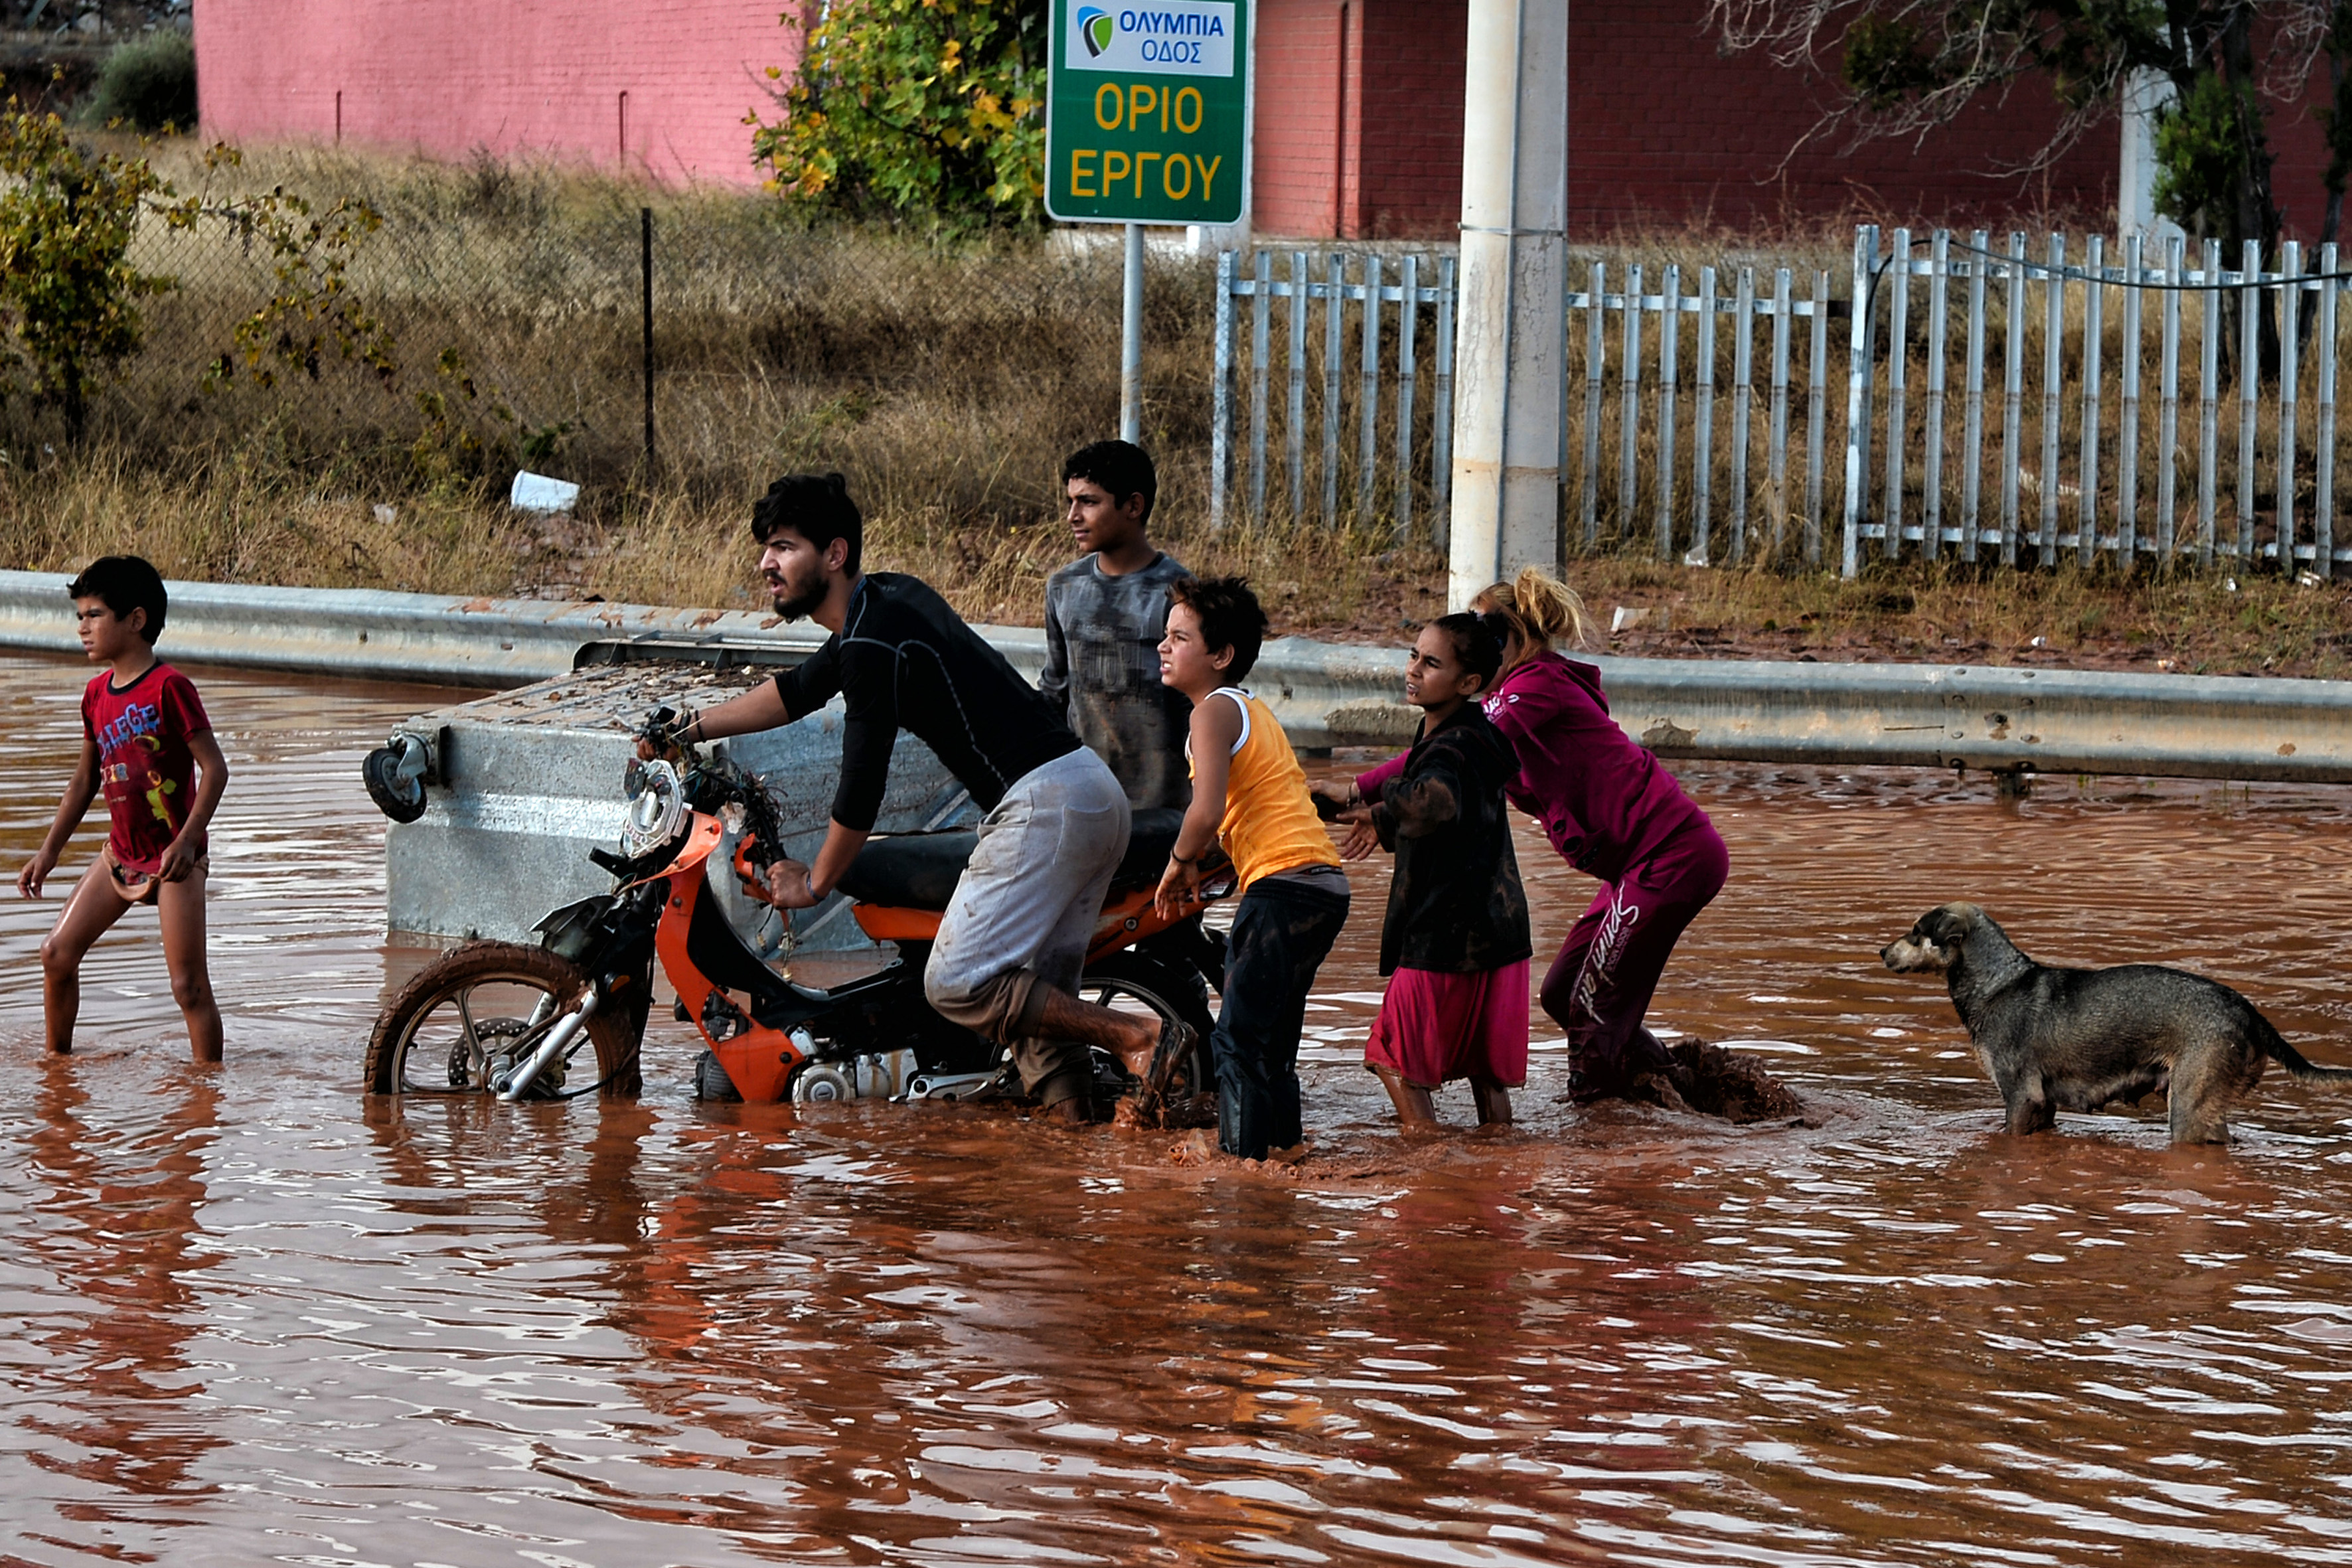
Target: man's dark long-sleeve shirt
[903,659]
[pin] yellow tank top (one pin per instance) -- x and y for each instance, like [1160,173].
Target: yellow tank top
[1270,825]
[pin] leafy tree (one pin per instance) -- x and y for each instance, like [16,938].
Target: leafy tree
[1911,66]
[70,293]
[930,109]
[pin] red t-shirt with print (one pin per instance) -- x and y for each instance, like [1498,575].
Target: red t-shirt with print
[143,762]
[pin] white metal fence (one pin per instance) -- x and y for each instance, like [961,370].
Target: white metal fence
[1412,470]
[2101,473]
[1999,405]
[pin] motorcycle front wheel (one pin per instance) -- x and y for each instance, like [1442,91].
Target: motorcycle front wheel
[478,1009]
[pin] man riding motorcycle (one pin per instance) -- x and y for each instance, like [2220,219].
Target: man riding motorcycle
[1014,939]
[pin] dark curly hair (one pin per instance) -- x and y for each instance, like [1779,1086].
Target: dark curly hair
[1231,617]
[817,507]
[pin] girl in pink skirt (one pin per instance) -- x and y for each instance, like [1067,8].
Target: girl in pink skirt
[1454,944]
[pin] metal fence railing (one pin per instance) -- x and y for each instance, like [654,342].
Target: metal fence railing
[1413,470]
[2000,404]
[2101,474]
[1359,367]
[1719,455]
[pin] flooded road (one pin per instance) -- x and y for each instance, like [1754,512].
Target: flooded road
[246,1317]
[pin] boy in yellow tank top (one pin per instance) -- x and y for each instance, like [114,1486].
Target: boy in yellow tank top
[1249,792]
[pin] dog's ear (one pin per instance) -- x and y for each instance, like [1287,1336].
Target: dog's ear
[1950,925]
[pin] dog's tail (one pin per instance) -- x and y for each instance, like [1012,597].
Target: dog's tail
[2274,1047]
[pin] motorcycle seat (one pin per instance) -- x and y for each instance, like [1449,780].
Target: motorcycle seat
[919,871]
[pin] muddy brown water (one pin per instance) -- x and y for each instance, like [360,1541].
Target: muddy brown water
[245,1317]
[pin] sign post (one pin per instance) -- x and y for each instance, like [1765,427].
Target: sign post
[1146,122]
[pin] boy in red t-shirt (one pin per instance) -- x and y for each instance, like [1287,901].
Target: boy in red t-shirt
[144,738]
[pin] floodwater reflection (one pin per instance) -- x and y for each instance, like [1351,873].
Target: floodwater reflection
[250,1317]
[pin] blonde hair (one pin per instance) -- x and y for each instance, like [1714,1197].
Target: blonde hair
[1540,610]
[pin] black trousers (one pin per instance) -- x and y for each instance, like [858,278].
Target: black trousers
[1281,933]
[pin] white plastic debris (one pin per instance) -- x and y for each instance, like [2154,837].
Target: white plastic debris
[537,492]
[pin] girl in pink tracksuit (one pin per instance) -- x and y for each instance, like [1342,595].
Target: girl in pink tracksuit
[1613,812]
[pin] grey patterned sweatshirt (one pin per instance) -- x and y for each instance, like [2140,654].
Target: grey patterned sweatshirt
[1102,672]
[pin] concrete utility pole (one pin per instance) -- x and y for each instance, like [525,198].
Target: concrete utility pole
[1508,356]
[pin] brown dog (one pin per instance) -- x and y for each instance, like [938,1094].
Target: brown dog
[2077,1039]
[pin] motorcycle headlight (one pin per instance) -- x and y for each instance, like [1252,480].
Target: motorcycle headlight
[656,806]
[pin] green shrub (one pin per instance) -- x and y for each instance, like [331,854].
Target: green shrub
[150,83]
[932,111]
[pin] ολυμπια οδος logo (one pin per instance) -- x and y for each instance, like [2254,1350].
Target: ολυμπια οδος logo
[1094,29]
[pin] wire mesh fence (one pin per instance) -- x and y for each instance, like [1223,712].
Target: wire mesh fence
[770,342]
[1999,401]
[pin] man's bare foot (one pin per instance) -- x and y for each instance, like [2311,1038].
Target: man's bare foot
[1288,1154]
[1198,1147]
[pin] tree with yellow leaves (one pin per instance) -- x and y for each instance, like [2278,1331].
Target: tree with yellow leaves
[929,110]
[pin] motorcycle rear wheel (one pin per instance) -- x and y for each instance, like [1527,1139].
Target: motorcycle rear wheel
[471,1011]
[1129,982]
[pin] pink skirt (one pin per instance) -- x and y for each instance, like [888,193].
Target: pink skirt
[1436,1027]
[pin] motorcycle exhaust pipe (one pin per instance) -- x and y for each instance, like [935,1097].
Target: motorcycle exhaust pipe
[563,1034]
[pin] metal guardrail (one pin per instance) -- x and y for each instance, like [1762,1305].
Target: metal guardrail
[370,634]
[1944,716]
[1941,716]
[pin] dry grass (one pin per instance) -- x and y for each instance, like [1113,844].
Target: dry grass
[947,382]
[2183,622]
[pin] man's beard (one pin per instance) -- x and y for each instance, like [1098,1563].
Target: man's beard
[797,607]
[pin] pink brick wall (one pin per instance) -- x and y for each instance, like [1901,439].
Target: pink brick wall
[1412,53]
[541,78]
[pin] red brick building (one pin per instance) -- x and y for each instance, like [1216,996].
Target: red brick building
[1359,129]
[1359,132]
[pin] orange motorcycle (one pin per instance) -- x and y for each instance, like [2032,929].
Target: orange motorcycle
[509,1019]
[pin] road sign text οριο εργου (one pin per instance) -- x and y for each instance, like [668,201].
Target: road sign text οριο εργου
[1148,111]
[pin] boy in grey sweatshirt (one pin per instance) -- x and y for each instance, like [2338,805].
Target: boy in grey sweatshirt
[1105,615]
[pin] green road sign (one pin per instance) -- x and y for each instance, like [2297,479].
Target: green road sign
[1147,114]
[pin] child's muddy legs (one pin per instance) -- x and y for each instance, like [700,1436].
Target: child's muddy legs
[1416,1111]
[90,913]
[1494,1103]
